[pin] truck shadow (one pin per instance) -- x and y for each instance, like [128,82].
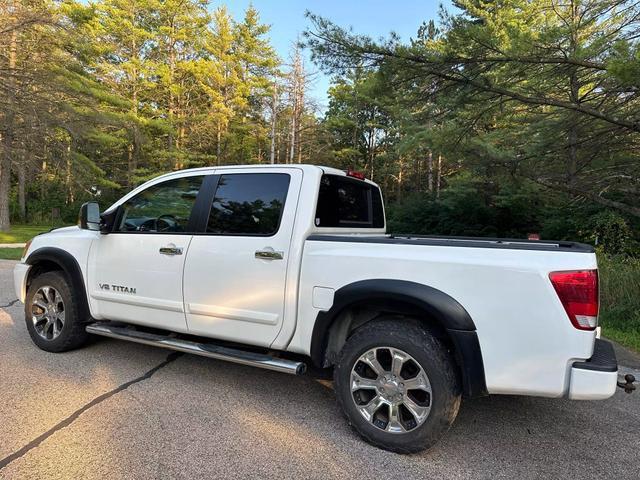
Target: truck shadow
[199,408]
[507,431]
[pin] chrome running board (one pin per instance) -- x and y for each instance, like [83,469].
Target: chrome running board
[210,350]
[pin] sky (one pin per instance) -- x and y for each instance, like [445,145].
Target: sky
[375,18]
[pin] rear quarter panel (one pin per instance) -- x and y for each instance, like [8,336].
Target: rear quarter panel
[527,341]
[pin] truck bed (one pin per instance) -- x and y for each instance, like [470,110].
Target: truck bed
[469,242]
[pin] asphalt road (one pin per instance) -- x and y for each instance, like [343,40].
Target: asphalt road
[120,410]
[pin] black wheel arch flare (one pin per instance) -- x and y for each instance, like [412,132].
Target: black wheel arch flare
[69,265]
[435,304]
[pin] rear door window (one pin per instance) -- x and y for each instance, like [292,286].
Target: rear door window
[349,203]
[248,204]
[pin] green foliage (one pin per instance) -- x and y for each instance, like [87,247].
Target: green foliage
[22,233]
[131,89]
[625,63]
[507,207]
[503,119]
[611,230]
[470,206]
[10,253]
[513,89]
[619,300]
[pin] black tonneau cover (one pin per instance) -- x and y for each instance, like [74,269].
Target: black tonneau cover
[470,242]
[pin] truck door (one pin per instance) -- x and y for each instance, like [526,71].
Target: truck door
[135,272]
[235,273]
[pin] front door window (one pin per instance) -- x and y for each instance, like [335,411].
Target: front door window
[162,208]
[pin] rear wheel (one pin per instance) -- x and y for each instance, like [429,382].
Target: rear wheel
[398,386]
[51,314]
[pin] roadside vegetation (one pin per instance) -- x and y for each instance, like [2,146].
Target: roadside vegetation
[620,299]
[22,233]
[10,253]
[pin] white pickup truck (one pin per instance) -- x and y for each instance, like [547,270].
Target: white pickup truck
[288,267]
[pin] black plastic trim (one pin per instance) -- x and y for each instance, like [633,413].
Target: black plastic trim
[469,358]
[469,242]
[444,309]
[201,209]
[70,267]
[602,360]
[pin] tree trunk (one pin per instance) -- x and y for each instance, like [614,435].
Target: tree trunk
[172,69]
[399,190]
[297,99]
[572,160]
[372,153]
[430,171]
[68,173]
[292,134]
[574,97]
[43,171]
[132,149]
[131,161]
[22,180]
[274,109]
[300,111]
[7,136]
[438,176]
[300,145]
[219,142]
[5,179]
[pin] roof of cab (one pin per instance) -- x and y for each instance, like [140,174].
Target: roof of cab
[328,170]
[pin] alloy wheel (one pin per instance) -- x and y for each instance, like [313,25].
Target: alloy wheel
[47,312]
[391,390]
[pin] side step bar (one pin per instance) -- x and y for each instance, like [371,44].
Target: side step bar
[210,350]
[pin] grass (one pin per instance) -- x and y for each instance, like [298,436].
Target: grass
[22,233]
[10,253]
[620,299]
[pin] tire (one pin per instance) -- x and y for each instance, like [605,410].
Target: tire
[439,396]
[58,329]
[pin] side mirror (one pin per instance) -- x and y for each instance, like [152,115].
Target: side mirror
[89,216]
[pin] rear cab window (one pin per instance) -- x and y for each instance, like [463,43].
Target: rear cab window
[345,202]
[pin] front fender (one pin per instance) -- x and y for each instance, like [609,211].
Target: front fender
[69,265]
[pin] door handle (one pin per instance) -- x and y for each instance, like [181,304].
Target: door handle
[269,253]
[170,250]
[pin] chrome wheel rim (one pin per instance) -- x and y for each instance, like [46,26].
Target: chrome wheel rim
[47,313]
[391,390]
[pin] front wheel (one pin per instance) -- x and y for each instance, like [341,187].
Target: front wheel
[397,385]
[51,314]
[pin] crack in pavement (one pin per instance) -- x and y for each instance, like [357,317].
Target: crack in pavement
[10,304]
[71,418]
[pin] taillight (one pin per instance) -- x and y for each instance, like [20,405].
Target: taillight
[578,292]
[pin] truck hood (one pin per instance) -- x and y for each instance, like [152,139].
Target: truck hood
[72,228]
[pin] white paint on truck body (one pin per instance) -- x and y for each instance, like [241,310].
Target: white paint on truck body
[217,287]
[528,343]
